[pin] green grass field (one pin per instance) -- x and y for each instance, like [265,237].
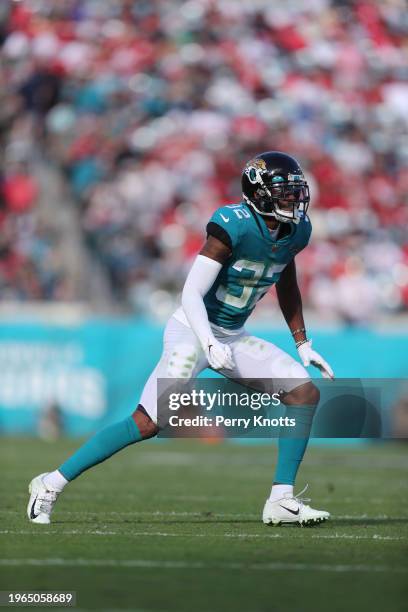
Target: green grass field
[175,525]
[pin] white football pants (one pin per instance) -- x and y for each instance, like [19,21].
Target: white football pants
[254,358]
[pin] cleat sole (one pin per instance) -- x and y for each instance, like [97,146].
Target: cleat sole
[305,523]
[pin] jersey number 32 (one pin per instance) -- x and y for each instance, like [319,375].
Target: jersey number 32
[251,291]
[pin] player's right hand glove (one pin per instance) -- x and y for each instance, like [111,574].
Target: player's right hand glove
[219,355]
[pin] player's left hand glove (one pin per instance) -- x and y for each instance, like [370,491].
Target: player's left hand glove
[309,357]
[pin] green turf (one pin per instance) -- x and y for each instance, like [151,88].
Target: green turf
[174,525]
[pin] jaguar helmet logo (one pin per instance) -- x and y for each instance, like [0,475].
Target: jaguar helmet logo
[253,169]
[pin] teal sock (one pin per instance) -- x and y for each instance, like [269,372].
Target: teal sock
[102,445]
[293,443]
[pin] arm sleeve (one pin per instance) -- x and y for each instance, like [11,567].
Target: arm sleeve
[199,281]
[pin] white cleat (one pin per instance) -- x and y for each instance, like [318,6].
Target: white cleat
[292,510]
[42,501]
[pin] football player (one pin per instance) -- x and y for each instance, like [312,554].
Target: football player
[250,246]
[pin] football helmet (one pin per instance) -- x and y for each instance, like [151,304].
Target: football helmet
[273,183]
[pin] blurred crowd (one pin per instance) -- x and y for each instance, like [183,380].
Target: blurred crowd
[150,109]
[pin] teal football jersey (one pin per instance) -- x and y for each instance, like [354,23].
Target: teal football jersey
[256,262]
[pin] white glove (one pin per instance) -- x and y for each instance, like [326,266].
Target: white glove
[219,355]
[309,357]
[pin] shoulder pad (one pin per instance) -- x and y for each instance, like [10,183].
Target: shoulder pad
[232,219]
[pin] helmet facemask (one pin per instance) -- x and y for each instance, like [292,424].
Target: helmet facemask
[285,199]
